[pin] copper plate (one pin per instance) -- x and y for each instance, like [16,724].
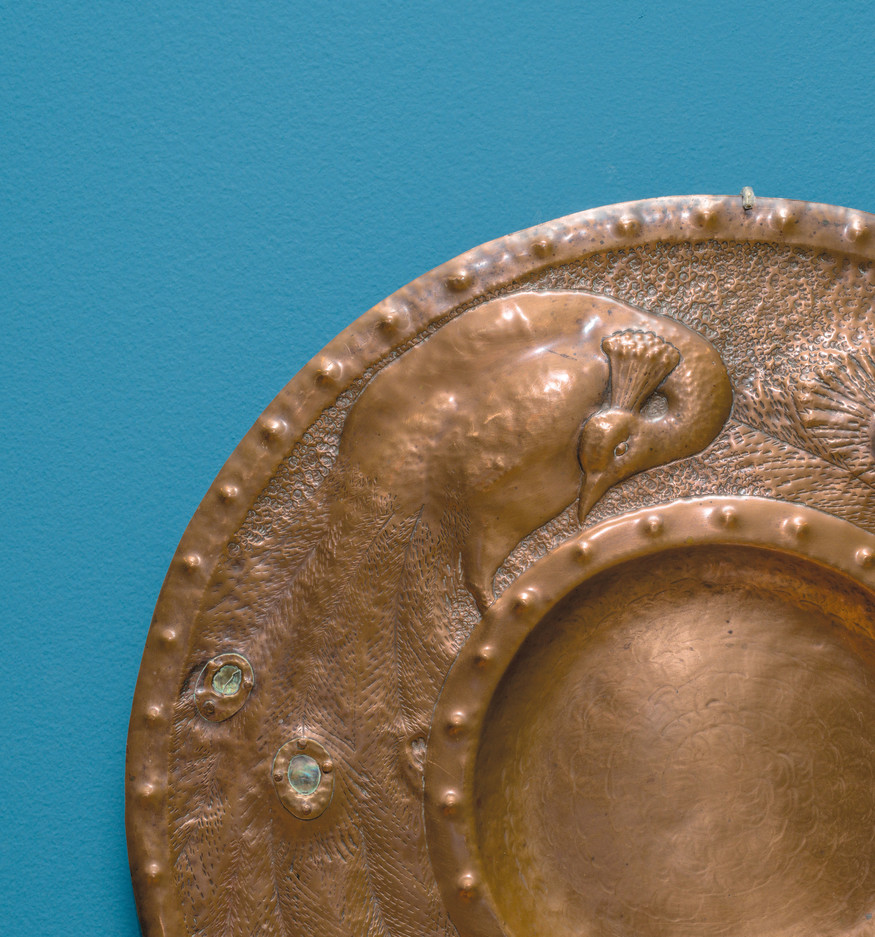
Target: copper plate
[540,602]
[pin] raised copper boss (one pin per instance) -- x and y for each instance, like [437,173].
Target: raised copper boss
[541,602]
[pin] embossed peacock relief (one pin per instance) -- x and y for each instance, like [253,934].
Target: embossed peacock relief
[542,602]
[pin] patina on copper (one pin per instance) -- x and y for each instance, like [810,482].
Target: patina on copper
[445,649]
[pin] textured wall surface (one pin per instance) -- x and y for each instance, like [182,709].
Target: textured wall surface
[195,197]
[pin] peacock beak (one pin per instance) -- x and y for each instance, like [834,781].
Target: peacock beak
[593,486]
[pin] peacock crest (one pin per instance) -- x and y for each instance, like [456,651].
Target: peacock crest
[640,362]
[838,407]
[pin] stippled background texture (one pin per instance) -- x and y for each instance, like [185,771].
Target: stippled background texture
[195,197]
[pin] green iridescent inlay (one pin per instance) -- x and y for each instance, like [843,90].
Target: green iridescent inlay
[227,679]
[304,774]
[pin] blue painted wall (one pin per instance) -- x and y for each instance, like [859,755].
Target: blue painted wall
[196,196]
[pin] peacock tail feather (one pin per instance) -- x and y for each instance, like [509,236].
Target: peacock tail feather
[367,621]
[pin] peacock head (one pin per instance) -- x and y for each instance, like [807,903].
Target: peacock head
[609,445]
[623,437]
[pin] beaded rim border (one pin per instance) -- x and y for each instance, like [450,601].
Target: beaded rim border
[363,344]
[449,808]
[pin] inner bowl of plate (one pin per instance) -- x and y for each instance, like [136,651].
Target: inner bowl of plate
[685,745]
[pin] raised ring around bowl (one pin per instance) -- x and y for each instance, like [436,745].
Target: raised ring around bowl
[667,727]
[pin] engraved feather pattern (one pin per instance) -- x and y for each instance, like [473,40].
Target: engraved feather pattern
[363,624]
[789,431]
[838,406]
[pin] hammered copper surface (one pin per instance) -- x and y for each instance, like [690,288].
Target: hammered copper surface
[424,480]
[686,746]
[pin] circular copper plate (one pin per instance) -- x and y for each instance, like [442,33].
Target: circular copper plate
[408,477]
[666,726]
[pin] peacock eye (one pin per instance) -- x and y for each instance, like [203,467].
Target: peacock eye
[621,448]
